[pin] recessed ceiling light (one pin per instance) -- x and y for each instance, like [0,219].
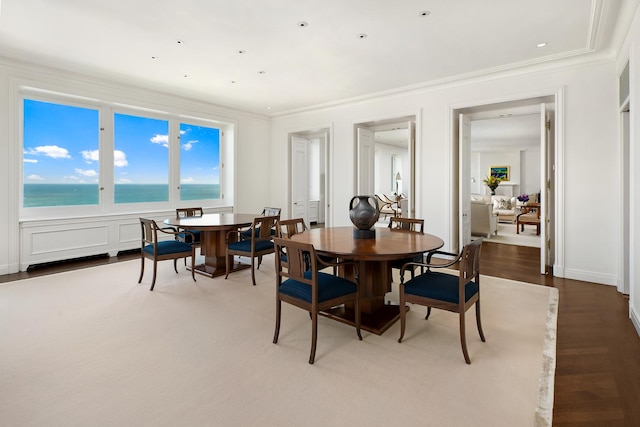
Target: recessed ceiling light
[242,52]
[262,72]
[425,13]
[543,44]
[303,24]
[186,75]
[154,57]
[234,81]
[362,36]
[180,41]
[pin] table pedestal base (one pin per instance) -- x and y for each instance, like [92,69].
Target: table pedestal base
[212,271]
[376,322]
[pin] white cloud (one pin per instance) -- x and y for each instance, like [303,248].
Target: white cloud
[86,172]
[72,178]
[35,177]
[123,181]
[187,180]
[182,132]
[119,159]
[52,151]
[160,139]
[90,155]
[189,145]
[30,160]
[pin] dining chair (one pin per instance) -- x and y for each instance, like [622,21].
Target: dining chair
[455,293]
[193,237]
[413,225]
[266,211]
[160,250]
[303,285]
[256,245]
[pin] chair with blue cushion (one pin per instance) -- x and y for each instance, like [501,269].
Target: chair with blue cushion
[412,225]
[256,245]
[162,250]
[455,293]
[301,284]
[193,237]
[267,211]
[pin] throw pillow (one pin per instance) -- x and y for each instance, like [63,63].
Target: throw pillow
[504,204]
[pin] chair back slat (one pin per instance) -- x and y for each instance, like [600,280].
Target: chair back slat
[189,212]
[411,224]
[301,257]
[267,211]
[289,227]
[470,262]
[149,231]
[264,226]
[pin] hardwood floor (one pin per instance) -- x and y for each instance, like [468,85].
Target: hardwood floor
[598,350]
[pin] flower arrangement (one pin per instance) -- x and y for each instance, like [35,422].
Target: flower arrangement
[524,197]
[492,182]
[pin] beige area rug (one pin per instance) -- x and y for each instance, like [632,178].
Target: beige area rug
[92,347]
[507,234]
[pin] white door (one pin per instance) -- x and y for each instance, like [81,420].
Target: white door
[465,180]
[366,162]
[299,179]
[545,244]
[410,191]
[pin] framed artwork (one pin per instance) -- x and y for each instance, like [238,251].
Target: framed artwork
[501,172]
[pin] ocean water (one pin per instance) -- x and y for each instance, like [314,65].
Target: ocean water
[41,195]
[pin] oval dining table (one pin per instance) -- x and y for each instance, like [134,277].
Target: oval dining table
[374,257]
[214,229]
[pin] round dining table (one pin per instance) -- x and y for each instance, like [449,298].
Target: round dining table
[213,234]
[374,257]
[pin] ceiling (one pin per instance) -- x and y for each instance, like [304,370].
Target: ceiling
[271,57]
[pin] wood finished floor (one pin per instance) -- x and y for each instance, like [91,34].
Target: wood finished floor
[598,350]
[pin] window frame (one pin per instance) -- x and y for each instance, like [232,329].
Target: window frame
[106,113]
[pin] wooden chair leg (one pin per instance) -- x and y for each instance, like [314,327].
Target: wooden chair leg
[193,265]
[253,273]
[276,334]
[356,307]
[141,269]
[403,313]
[463,339]
[428,313]
[155,270]
[175,265]
[228,267]
[479,322]
[314,337]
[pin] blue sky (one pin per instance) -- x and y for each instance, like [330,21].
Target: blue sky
[61,146]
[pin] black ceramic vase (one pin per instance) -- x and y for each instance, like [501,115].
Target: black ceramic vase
[364,215]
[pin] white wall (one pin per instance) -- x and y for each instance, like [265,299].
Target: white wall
[588,154]
[252,149]
[631,52]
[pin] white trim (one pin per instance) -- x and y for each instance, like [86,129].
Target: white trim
[635,319]
[590,276]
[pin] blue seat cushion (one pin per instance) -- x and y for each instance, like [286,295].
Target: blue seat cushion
[329,287]
[247,233]
[186,237]
[439,286]
[245,245]
[167,247]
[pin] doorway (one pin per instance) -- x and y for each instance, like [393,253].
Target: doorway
[529,160]
[309,177]
[385,160]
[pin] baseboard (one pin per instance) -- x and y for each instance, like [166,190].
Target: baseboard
[635,318]
[590,276]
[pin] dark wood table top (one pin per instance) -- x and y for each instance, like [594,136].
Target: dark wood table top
[387,245]
[212,221]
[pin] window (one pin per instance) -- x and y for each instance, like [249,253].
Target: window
[85,156]
[60,155]
[199,162]
[140,159]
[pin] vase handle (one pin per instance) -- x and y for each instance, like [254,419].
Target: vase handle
[351,202]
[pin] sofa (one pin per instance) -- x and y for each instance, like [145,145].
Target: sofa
[507,208]
[484,222]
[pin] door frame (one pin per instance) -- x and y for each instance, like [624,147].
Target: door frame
[413,151]
[558,217]
[327,129]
